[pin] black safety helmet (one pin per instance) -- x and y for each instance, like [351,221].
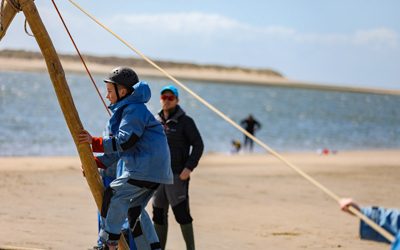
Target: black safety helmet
[124,76]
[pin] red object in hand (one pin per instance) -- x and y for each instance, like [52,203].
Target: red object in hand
[97,145]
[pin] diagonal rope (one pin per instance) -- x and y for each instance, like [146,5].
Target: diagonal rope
[335,197]
[80,56]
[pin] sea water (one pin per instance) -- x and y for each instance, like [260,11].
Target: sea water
[292,119]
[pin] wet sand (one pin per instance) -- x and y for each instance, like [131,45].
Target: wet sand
[238,202]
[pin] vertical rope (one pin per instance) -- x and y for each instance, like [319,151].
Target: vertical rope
[80,56]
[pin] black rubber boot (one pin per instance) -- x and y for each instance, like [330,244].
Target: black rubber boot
[188,235]
[162,232]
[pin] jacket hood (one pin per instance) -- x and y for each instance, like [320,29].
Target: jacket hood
[141,94]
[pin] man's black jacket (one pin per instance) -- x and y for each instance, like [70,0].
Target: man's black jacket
[184,140]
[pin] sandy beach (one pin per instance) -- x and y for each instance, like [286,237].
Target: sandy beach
[238,202]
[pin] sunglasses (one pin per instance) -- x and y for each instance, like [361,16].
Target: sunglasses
[167,97]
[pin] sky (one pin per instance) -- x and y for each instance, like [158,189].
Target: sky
[340,42]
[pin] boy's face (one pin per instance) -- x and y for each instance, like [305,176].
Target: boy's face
[168,100]
[112,95]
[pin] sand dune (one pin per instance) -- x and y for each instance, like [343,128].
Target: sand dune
[204,74]
[238,202]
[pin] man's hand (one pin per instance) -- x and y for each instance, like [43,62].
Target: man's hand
[185,174]
[85,137]
[345,203]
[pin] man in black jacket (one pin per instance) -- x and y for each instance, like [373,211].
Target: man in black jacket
[186,148]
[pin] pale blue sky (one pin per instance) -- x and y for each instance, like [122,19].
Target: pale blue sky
[353,42]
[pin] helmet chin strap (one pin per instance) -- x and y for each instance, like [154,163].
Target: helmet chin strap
[116,92]
[119,98]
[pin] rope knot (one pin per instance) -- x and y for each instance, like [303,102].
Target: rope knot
[15,5]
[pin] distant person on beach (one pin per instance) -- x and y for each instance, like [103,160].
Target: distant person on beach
[389,219]
[138,141]
[250,125]
[186,147]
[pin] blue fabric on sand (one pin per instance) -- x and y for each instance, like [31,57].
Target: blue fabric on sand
[389,219]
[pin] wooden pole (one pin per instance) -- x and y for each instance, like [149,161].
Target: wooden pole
[9,13]
[64,97]
[66,102]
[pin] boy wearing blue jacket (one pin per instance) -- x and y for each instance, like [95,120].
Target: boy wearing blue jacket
[387,218]
[138,141]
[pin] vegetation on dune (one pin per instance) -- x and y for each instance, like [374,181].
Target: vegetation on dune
[140,63]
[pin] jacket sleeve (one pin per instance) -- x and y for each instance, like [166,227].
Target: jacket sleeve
[132,126]
[193,135]
[389,219]
[396,243]
[107,159]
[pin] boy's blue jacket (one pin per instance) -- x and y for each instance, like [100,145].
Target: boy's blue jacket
[138,139]
[389,219]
